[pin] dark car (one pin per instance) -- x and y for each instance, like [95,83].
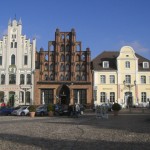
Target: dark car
[41,110]
[6,110]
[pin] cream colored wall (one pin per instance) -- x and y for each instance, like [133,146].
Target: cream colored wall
[126,54]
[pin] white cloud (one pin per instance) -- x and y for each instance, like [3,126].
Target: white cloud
[137,46]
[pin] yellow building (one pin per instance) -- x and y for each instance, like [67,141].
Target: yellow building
[122,77]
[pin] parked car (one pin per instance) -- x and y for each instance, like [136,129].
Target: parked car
[41,110]
[6,110]
[21,111]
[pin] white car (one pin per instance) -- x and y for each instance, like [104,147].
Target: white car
[21,111]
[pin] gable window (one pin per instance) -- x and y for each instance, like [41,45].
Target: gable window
[127,64]
[112,79]
[25,60]
[103,78]
[13,59]
[143,79]
[105,64]
[145,65]
[128,79]
[0,60]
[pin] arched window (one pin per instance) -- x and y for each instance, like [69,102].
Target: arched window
[51,57]
[52,48]
[62,68]
[62,58]
[67,77]
[78,58]
[77,78]
[46,77]
[77,47]
[83,77]
[67,37]
[51,67]
[62,47]
[46,66]
[62,78]
[83,67]
[13,59]
[12,79]
[83,57]
[22,79]
[77,67]
[67,67]
[67,48]
[46,57]
[67,57]
[2,79]
[51,77]
[28,78]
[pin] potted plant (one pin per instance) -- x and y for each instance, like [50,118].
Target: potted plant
[32,110]
[116,107]
[50,109]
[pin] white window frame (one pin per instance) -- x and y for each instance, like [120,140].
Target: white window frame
[127,64]
[105,64]
[103,79]
[128,79]
[112,79]
[145,65]
[143,79]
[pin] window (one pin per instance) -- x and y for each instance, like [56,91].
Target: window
[67,48]
[105,64]
[62,78]
[28,79]
[51,77]
[25,60]
[78,58]
[13,36]
[62,68]
[83,67]
[83,78]
[128,79]
[62,47]
[112,79]
[67,77]
[127,64]
[46,77]
[67,57]
[77,78]
[11,45]
[22,79]
[143,97]
[2,79]
[80,96]
[77,67]
[145,65]
[103,78]
[48,96]
[0,60]
[62,58]
[83,57]
[12,79]
[27,97]
[13,59]
[143,79]
[77,47]
[51,67]
[15,44]
[112,96]
[21,96]
[102,96]
[95,95]
[46,66]
[67,67]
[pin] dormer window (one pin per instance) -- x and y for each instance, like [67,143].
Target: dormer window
[145,65]
[105,64]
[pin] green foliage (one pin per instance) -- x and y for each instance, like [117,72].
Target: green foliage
[116,107]
[32,108]
[50,107]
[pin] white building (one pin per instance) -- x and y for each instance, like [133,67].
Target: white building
[17,65]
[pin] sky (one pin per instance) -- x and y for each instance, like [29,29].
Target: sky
[101,25]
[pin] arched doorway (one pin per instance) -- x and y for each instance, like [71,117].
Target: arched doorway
[128,99]
[11,98]
[64,94]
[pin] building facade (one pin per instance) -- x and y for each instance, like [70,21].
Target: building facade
[17,64]
[63,71]
[122,77]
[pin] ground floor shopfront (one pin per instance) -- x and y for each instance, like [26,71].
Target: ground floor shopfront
[64,93]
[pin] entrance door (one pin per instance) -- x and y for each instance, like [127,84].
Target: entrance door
[64,95]
[11,98]
[128,99]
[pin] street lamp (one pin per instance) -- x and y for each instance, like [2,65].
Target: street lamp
[25,88]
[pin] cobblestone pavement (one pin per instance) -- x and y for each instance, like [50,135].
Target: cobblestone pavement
[127,131]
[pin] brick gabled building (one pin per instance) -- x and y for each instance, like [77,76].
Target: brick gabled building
[63,71]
